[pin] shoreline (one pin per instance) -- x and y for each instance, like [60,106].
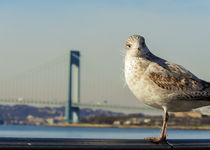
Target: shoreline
[127,126]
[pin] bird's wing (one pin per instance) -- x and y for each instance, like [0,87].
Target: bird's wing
[176,78]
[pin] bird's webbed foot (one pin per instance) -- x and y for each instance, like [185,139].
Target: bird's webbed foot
[156,140]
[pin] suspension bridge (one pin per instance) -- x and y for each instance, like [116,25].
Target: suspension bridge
[60,82]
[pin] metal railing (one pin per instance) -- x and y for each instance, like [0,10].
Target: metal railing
[105,144]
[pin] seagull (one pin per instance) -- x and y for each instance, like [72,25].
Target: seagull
[162,84]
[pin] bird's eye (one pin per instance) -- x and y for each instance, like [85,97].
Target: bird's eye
[128,45]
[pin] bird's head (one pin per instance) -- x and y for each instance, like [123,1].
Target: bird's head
[136,46]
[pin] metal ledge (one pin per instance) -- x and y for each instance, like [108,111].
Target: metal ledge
[105,144]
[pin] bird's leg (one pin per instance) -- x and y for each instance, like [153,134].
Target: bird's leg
[164,127]
[163,134]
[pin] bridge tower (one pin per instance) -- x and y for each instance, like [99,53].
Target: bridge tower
[72,112]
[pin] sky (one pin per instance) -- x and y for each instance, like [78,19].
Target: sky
[36,31]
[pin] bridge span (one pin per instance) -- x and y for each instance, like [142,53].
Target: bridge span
[61,83]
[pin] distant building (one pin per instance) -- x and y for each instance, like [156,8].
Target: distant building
[116,122]
[127,122]
[188,114]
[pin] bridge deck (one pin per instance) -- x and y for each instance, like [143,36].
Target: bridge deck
[57,143]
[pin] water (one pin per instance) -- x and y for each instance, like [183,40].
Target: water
[99,133]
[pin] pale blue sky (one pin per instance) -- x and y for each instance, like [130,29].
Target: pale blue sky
[33,32]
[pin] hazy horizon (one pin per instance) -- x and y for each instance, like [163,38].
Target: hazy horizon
[34,32]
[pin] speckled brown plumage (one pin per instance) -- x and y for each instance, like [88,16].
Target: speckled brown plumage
[162,84]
